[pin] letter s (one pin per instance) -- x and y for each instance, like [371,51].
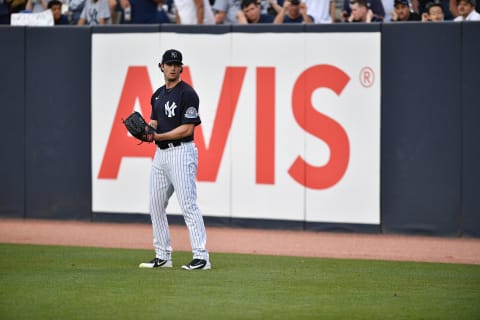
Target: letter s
[321,126]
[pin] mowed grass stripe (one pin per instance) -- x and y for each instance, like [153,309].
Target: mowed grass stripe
[54,282]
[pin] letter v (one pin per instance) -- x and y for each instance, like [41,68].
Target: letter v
[211,156]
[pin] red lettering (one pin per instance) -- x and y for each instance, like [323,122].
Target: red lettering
[321,126]
[265,148]
[210,156]
[120,144]
[137,86]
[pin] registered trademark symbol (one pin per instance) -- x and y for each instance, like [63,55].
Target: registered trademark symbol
[367,77]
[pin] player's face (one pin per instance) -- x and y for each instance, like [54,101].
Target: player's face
[171,71]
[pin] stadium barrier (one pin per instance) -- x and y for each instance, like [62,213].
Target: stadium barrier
[429,154]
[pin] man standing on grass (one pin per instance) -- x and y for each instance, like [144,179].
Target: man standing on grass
[174,116]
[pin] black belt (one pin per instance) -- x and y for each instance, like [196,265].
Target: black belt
[169,145]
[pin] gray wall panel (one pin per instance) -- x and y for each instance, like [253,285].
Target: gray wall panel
[471,128]
[12,143]
[421,128]
[58,160]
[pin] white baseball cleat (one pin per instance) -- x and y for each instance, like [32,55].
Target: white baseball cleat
[156,263]
[198,264]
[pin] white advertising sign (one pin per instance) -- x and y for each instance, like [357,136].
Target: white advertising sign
[44,18]
[290,127]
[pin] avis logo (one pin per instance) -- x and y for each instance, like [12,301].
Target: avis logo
[137,87]
[170,109]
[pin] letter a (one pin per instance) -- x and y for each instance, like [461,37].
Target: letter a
[120,144]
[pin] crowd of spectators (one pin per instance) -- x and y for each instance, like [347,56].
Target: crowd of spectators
[193,12]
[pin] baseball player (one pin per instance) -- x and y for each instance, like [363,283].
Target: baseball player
[174,168]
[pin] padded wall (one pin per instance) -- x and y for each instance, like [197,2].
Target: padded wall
[12,101]
[430,152]
[421,128]
[58,183]
[471,128]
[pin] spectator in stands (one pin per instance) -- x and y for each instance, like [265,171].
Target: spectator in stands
[361,12]
[466,11]
[322,11]
[194,12]
[403,12]
[273,7]
[293,11]
[169,8]
[266,6]
[122,13]
[146,11]
[422,7]
[116,11]
[433,12]
[36,5]
[75,8]
[56,7]
[17,6]
[375,5]
[95,12]
[226,11]
[251,13]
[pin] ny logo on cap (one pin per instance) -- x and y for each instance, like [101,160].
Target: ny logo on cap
[171,56]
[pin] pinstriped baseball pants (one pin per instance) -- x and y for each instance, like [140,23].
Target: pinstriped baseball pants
[175,169]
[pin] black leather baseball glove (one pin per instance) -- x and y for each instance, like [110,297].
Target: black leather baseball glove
[139,128]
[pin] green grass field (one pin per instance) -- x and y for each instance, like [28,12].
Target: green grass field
[53,282]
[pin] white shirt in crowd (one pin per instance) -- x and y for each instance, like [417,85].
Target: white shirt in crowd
[473,16]
[319,10]
[94,11]
[187,12]
[388,7]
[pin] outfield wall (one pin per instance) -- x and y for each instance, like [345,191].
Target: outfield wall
[399,153]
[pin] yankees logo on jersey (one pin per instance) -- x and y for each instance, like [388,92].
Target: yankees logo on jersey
[170,109]
[175,107]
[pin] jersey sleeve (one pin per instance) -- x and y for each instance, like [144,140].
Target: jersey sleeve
[190,106]
[153,116]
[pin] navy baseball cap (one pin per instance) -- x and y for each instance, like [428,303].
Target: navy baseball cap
[172,56]
[405,2]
